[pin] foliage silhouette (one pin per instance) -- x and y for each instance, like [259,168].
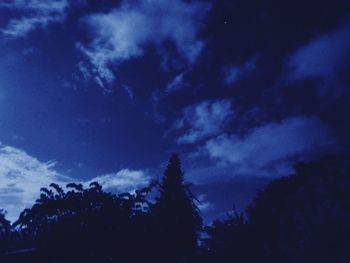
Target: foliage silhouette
[87,225]
[303,218]
[229,240]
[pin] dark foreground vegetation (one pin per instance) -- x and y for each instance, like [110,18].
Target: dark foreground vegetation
[304,217]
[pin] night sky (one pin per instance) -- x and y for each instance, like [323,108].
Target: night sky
[108,90]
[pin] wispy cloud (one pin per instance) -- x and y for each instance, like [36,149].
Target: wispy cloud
[203,120]
[22,176]
[234,73]
[34,14]
[127,31]
[271,149]
[177,83]
[322,58]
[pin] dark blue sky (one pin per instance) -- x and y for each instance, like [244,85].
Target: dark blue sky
[107,90]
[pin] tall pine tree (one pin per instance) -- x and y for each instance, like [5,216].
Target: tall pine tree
[178,215]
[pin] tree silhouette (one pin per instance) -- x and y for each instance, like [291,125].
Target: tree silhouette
[5,225]
[88,225]
[305,217]
[230,240]
[5,232]
[177,214]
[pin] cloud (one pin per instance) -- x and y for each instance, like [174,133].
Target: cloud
[129,91]
[205,119]
[35,14]
[127,31]
[203,205]
[177,83]
[234,73]
[271,149]
[322,57]
[22,176]
[125,180]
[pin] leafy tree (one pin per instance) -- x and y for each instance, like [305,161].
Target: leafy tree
[177,214]
[305,217]
[88,225]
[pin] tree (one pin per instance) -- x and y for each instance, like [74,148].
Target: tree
[5,225]
[305,217]
[300,218]
[88,225]
[230,240]
[5,232]
[177,214]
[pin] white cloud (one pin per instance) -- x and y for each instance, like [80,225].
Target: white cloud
[36,14]
[321,57]
[272,147]
[207,118]
[22,176]
[128,30]
[125,180]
